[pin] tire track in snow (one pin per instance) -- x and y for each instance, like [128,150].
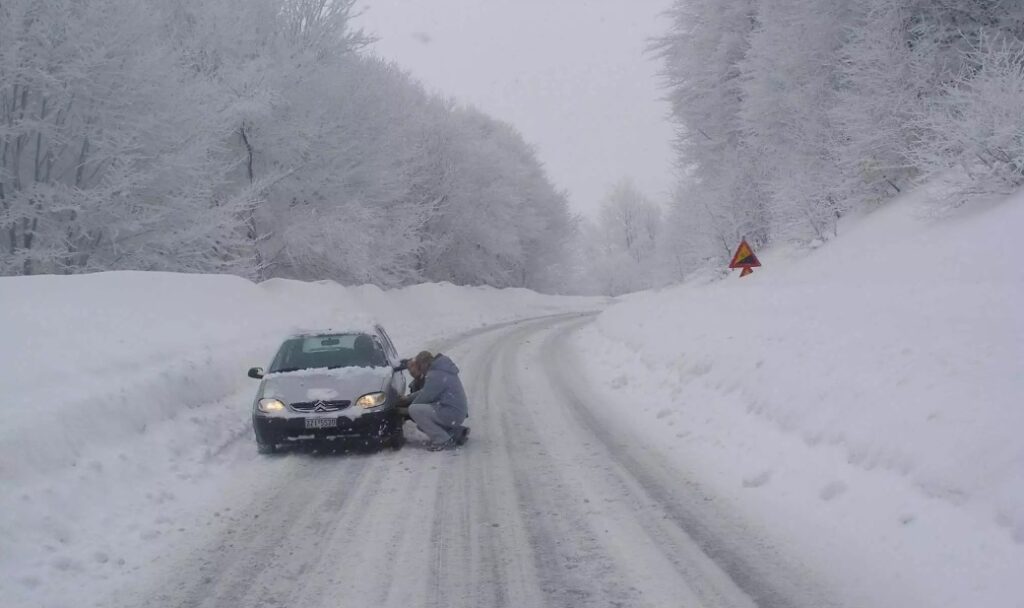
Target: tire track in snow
[484,567]
[544,507]
[574,570]
[242,562]
[759,571]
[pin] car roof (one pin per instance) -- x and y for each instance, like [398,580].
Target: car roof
[313,333]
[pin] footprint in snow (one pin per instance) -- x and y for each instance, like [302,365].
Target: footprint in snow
[65,564]
[758,480]
[150,535]
[832,490]
[663,414]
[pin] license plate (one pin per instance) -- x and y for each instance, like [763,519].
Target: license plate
[321,423]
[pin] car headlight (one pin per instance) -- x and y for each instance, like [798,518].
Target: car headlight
[270,406]
[372,400]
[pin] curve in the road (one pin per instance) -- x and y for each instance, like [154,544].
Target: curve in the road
[550,504]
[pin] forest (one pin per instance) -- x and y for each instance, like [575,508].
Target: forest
[253,137]
[792,114]
[261,138]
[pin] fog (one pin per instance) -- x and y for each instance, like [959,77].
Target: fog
[572,76]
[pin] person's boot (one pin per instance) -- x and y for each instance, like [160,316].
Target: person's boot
[439,447]
[461,435]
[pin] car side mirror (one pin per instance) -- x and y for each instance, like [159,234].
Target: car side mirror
[256,372]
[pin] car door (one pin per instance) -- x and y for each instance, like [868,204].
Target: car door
[389,347]
[397,378]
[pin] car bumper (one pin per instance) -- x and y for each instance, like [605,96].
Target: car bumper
[272,430]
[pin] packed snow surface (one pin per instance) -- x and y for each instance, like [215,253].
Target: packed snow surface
[866,401]
[842,428]
[121,389]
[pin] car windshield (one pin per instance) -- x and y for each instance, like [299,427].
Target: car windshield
[328,351]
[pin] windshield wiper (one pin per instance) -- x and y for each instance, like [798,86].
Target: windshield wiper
[286,370]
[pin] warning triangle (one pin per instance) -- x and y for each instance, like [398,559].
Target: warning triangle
[744,257]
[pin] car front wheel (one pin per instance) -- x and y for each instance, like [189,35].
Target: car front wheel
[266,448]
[396,439]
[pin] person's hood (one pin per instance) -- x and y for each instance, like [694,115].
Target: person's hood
[442,363]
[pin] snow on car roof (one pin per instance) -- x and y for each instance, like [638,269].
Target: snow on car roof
[330,331]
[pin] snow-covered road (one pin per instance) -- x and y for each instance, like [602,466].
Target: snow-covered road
[841,429]
[550,504]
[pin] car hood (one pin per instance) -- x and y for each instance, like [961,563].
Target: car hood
[348,383]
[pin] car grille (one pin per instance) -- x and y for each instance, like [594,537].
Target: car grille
[320,406]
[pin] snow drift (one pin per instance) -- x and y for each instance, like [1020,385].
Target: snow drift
[96,358]
[869,394]
[119,389]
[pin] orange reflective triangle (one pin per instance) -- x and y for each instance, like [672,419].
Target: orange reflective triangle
[744,257]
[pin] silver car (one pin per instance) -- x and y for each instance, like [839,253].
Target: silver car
[330,386]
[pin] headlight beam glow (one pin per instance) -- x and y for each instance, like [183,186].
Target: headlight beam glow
[271,406]
[372,400]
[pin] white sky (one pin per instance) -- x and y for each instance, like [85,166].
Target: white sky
[571,75]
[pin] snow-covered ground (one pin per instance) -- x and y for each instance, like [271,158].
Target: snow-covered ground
[864,402]
[120,390]
[841,428]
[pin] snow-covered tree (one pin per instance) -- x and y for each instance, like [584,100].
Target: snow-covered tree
[703,55]
[99,168]
[622,246]
[255,137]
[792,112]
[789,87]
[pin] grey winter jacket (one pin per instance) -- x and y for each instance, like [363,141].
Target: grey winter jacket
[442,385]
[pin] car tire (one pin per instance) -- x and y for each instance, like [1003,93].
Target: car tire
[266,448]
[397,438]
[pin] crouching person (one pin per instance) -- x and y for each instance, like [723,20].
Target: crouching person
[439,408]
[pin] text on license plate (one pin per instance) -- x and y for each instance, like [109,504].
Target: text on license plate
[321,423]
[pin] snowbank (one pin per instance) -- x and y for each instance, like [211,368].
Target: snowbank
[120,388]
[870,395]
[95,358]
